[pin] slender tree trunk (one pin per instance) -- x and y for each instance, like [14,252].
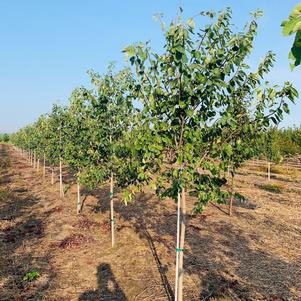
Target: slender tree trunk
[38,165]
[231,195]
[178,247]
[34,159]
[182,243]
[44,167]
[78,198]
[112,209]
[52,175]
[61,181]
[269,170]
[112,202]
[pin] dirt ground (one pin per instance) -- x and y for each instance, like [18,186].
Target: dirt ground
[253,255]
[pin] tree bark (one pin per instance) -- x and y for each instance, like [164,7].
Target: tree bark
[269,170]
[38,165]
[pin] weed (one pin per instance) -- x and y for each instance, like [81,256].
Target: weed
[30,276]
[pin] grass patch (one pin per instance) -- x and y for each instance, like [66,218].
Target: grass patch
[278,170]
[276,188]
[284,171]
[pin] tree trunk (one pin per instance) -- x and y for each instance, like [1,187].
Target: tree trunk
[269,170]
[112,209]
[178,247]
[34,159]
[44,167]
[52,175]
[78,198]
[61,181]
[231,195]
[182,243]
[38,165]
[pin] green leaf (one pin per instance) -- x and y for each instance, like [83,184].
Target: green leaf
[191,23]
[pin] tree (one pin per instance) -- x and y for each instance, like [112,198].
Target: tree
[57,136]
[4,138]
[80,144]
[189,95]
[112,109]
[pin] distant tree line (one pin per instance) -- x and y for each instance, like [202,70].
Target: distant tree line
[4,137]
[277,144]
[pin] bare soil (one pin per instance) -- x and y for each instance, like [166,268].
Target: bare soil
[253,255]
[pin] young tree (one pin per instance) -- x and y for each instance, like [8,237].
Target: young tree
[41,141]
[189,95]
[112,108]
[56,137]
[80,148]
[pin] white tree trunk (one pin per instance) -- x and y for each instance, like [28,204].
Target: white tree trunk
[177,247]
[78,198]
[182,243]
[269,170]
[112,209]
[231,196]
[44,167]
[52,175]
[61,181]
[34,159]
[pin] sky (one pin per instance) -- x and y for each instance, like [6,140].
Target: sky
[46,47]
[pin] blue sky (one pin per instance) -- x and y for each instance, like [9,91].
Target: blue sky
[47,46]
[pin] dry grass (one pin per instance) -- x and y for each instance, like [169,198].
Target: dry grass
[253,255]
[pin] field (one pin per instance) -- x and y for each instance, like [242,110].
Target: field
[253,255]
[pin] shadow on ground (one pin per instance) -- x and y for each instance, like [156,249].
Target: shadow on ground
[108,288]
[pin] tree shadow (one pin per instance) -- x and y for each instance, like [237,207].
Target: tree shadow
[103,197]
[108,288]
[162,269]
[225,260]
[232,267]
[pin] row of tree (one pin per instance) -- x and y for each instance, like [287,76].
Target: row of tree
[279,144]
[175,120]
